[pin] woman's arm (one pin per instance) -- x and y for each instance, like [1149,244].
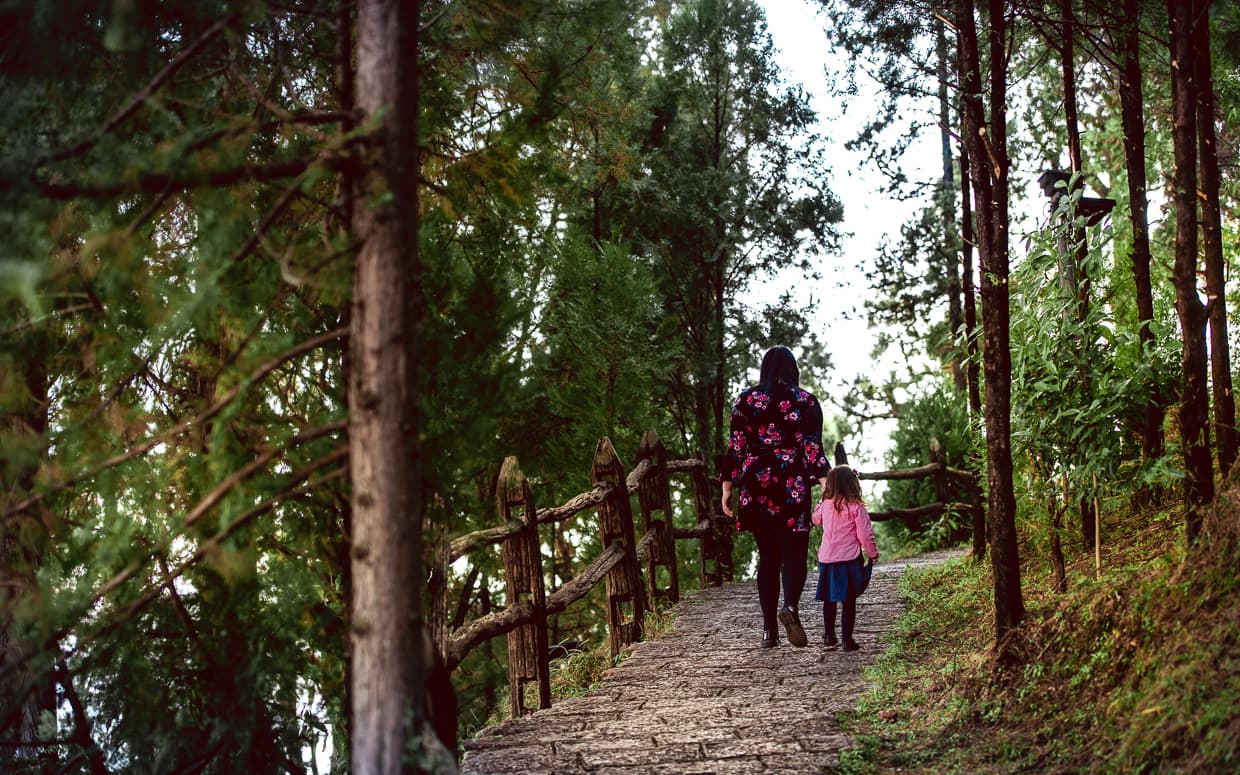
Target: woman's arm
[811,432]
[738,440]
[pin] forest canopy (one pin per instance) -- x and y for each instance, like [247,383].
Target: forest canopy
[283,284]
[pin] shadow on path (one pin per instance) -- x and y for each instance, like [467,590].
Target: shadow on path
[706,698]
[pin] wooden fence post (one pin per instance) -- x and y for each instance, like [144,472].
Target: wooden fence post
[625,606]
[653,495]
[938,458]
[979,518]
[439,625]
[716,544]
[841,457]
[527,643]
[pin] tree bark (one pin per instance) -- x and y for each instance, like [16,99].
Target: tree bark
[1133,119]
[392,660]
[1078,250]
[1068,51]
[1194,400]
[988,151]
[955,314]
[1212,238]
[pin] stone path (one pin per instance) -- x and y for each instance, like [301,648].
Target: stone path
[705,698]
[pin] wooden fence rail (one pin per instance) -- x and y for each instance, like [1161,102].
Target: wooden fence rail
[635,573]
[942,475]
[620,565]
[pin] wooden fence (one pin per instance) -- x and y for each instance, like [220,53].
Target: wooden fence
[619,566]
[635,572]
[942,477]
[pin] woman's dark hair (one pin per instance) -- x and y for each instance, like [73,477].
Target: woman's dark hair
[779,366]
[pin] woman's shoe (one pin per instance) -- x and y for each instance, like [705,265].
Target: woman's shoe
[769,639]
[851,645]
[792,624]
[829,641]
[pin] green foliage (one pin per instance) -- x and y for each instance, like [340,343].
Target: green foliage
[1132,670]
[938,414]
[1079,384]
[736,191]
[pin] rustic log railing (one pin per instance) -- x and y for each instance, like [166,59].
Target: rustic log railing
[635,573]
[619,566]
[942,476]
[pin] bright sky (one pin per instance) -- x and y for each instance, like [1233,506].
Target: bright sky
[798,32]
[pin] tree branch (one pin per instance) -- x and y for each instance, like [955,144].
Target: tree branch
[81,723]
[480,630]
[160,182]
[151,594]
[145,93]
[258,374]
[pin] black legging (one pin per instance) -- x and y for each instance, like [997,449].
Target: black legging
[781,554]
[848,619]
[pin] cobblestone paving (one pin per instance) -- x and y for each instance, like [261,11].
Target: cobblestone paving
[706,698]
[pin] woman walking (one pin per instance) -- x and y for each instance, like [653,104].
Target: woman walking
[774,456]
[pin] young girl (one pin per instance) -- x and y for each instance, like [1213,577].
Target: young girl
[846,532]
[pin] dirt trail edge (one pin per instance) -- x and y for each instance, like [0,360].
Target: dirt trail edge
[706,698]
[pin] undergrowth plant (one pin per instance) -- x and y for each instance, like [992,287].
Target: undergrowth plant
[1133,669]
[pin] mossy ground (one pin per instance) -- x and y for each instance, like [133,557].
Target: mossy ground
[1136,668]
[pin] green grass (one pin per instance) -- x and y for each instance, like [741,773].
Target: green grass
[1136,669]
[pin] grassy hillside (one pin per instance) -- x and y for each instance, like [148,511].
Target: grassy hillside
[1135,669]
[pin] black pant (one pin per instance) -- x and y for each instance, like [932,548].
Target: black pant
[848,619]
[781,554]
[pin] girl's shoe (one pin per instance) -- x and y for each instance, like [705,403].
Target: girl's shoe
[829,641]
[851,645]
[769,639]
[792,623]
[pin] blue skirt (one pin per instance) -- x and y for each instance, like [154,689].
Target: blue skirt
[839,582]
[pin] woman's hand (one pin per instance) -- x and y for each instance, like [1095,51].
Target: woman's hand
[726,501]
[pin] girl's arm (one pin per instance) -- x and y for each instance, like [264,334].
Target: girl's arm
[865,532]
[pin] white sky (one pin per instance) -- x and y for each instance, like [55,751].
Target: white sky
[804,54]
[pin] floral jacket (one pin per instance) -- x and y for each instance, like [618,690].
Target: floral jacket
[775,457]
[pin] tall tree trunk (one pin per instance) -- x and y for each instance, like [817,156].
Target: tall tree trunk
[973,367]
[973,370]
[719,398]
[947,206]
[1194,400]
[1133,119]
[1074,251]
[1212,237]
[1068,52]
[346,85]
[392,656]
[1078,249]
[989,169]
[967,240]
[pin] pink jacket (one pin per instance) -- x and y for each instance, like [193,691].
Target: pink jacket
[844,532]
